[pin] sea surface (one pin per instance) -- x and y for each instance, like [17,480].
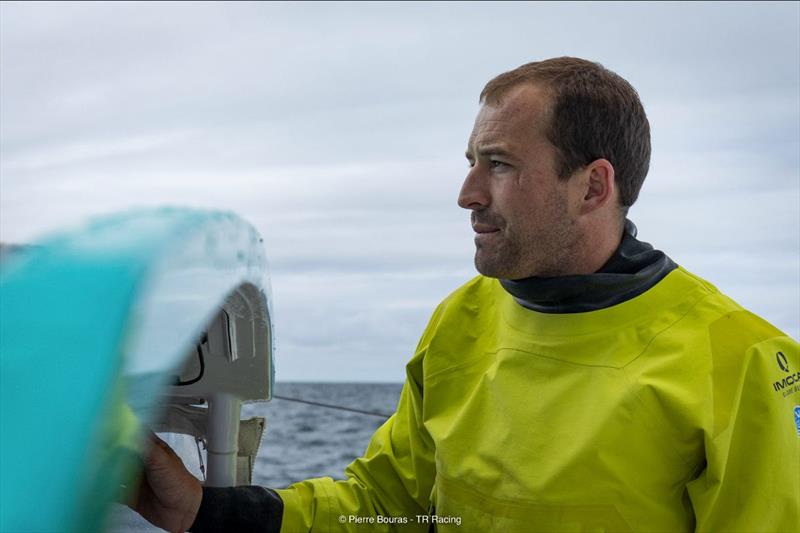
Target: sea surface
[300,441]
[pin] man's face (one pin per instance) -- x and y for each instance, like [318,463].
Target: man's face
[521,211]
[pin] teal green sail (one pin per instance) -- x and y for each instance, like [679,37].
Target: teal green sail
[95,324]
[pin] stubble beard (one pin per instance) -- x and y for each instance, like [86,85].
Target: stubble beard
[498,262]
[545,253]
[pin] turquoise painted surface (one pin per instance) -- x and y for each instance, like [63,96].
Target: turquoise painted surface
[83,313]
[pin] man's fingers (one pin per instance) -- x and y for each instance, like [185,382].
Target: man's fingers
[159,451]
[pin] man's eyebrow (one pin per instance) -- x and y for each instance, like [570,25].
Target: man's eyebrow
[490,150]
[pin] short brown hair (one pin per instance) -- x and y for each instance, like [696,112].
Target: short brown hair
[594,113]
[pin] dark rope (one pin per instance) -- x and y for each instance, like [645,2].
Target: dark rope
[330,406]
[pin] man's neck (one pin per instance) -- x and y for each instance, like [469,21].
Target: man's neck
[598,247]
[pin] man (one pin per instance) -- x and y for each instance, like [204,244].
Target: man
[583,382]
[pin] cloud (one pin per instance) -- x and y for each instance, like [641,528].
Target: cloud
[338,130]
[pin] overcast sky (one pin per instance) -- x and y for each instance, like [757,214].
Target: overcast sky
[338,130]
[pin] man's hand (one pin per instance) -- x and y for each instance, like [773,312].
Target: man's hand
[168,495]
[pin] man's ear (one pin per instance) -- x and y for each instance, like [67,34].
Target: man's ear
[599,187]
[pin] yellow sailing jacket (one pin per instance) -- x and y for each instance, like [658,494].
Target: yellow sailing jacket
[673,411]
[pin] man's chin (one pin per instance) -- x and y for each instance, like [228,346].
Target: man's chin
[490,269]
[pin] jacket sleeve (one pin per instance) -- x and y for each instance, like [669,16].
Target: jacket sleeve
[393,480]
[751,480]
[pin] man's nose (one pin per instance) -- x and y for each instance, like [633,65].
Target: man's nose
[474,194]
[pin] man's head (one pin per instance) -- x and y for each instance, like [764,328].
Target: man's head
[559,151]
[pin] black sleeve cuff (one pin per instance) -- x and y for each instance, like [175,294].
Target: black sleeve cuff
[240,509]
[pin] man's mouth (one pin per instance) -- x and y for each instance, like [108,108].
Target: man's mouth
[482,229]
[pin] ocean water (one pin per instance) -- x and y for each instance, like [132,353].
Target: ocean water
[300,441]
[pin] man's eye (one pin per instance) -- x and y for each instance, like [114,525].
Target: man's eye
[497,164]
